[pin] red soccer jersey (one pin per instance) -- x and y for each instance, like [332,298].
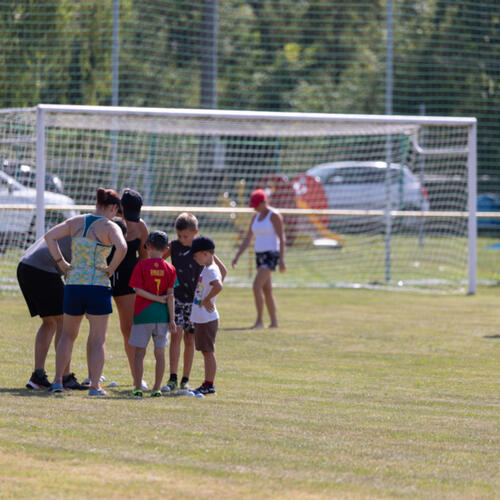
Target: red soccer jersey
[154,276]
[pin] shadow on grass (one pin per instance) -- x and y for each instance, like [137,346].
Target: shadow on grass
[236,329]
[491,337]
[29,393]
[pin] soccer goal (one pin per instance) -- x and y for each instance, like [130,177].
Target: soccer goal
[368,201]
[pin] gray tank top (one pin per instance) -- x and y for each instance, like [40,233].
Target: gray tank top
[38,255]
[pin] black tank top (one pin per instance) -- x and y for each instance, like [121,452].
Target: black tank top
[131,258]
[188,271]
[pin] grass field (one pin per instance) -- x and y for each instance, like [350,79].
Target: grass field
[358,394]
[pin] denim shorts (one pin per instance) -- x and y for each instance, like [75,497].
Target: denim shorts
[91,299]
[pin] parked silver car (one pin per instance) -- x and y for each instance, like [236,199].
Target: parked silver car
[18,226]
[361,185]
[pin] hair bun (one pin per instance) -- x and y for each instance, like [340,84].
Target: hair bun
[101,195]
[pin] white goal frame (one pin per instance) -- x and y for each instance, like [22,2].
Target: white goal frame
[255,121]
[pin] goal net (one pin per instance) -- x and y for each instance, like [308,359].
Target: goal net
[368,201]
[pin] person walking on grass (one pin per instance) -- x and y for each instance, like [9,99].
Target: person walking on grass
[188,272]
[204,314]
[87,291]
[153,280]
[268,227]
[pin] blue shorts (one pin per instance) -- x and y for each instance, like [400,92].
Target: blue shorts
[91,299]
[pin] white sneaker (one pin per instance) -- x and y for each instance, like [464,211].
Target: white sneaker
[144,385]
[87,380]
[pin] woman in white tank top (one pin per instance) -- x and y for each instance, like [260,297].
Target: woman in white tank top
[268,229]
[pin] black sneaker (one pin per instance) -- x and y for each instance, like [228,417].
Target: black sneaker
[38,381]
[205,389]
[70,382]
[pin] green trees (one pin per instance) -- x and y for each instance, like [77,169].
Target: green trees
[302,55]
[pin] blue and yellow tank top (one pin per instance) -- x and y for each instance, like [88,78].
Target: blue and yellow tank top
[87,256]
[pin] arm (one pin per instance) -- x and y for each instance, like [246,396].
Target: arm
[56,233]
[115,235]
[207,302]
[244,244]
[221,266]
[279,227]
[171,308]
[162,299]
[143,234]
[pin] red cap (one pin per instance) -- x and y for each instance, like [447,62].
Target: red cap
[257,197]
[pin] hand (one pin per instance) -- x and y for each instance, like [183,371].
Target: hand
[162,299]
[172,326]
[108,271]
[234,262]
[282,266]
[64,266]
[207,304]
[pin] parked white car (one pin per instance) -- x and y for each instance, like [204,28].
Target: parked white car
[361,185]
[18,226]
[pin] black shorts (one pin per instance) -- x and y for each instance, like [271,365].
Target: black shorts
[269,260]
[43,291]
[120,281]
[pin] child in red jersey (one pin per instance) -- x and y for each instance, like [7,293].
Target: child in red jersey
[153,280]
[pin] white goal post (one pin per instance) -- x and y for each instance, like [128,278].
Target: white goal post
[368,200]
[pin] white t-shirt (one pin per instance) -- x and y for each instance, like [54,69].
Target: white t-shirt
[198,313]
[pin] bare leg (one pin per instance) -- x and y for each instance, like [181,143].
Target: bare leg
[97,339]
[125,306]
[71,325]
[174,352]
[188,354]
[160,367]
[210,365]
[270,302]
[258,284]
[139,354]
[43,340]
[59,329]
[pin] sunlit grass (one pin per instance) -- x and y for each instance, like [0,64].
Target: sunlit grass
[357,394]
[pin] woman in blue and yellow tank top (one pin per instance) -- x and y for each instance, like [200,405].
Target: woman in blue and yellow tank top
[87,290]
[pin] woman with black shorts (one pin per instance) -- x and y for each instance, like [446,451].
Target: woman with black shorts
[267,226]
[123,294]
[40,281]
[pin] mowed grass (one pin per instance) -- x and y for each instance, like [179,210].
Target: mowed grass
[358,394]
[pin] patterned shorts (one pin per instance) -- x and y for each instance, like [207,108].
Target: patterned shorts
[269,260]
[182,315]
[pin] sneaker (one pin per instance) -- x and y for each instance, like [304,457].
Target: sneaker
[185,386]
[56,387]
[87,381]
[171,386]
[156,394]
[97,391]
[137,393]
[38,382]
[205,389]
[70,382]
[144,385]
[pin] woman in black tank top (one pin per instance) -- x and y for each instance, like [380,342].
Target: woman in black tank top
[123,295]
